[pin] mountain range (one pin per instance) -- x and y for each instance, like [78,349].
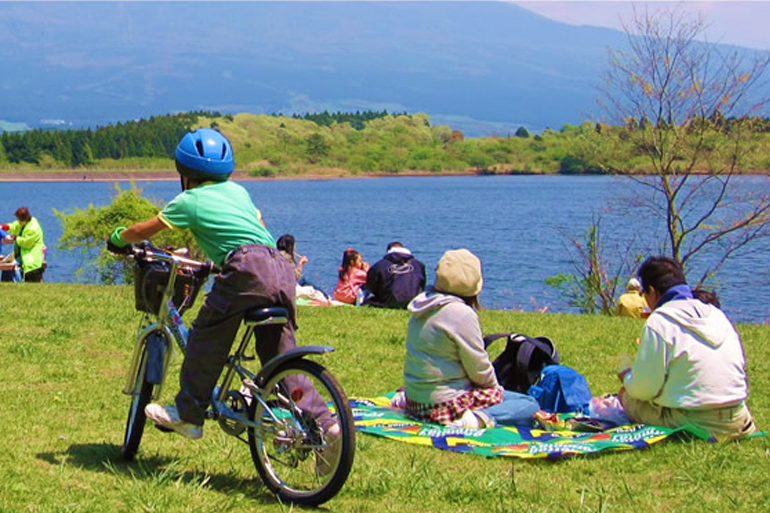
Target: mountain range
[480,67]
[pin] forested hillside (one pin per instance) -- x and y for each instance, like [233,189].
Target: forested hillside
[359,143]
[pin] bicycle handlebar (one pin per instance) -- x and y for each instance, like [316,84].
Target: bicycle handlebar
[147,252]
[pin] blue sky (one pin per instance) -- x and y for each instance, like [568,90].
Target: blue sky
[743,23]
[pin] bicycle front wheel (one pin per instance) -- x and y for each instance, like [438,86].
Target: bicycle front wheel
[302,457]
[150,371]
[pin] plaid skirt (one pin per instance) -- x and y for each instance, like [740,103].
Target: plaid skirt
[449,411]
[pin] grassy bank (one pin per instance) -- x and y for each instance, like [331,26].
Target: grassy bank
[65,349]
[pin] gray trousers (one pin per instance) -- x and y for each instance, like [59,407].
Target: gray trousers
[252,276]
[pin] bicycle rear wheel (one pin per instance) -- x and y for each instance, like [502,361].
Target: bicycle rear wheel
[302,459]
[142,393]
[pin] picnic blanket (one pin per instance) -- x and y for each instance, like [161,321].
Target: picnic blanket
[554,439]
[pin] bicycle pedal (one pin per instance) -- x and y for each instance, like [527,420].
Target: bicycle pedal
[163,428]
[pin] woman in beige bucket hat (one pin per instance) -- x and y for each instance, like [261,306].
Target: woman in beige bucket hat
[448,374]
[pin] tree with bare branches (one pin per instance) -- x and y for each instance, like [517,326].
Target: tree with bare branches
[689,107]
[598,265]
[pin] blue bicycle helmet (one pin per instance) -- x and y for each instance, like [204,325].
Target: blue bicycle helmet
[203,155]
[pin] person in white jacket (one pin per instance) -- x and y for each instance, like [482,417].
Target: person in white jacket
[690,369]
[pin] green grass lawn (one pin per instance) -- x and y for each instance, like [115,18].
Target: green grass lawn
[65,349]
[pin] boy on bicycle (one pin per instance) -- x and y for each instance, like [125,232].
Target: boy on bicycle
[229,229]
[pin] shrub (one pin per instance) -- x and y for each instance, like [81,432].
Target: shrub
[87,230]
[522,132]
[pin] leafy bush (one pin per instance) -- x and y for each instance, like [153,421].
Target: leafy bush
[87,231]
[263,171]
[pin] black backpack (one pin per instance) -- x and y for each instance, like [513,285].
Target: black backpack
[519,365]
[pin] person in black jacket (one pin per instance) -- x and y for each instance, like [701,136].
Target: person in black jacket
[396,279]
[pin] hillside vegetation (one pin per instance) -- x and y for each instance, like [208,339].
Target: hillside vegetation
[360,144]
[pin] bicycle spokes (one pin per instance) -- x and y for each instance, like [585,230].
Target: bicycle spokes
[302,447]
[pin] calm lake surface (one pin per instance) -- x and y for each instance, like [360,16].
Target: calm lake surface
[515,224]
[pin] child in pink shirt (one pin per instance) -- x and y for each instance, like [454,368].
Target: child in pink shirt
[351,276]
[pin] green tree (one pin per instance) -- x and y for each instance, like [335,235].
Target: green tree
[522,132]
[317,147]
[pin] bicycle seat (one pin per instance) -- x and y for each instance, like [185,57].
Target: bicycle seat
[262,316]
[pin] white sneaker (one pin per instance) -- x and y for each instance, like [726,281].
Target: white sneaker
[246,393]
[167,417]
[473,420]
[467,421]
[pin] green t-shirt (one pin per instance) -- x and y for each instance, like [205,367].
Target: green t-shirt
[221,217]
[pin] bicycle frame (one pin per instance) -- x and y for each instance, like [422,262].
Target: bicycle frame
[292,412]
[168,321]
[253,382]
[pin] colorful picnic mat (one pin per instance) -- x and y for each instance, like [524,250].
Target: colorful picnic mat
[375,416]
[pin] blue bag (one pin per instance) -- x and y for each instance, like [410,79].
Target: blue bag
[561,389]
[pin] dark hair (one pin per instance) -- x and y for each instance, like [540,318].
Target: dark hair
[660,272]
[348,257]
[22,214]
[286,243]
[394,244]
[706,296]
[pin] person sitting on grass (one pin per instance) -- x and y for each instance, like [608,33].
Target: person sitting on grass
[286,244]
[305,288]
[690,369]
[351,278]
[448,374]
[9,267]
[631,303]
[394,280]
[230,230]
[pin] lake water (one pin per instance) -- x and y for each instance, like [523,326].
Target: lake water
[515,224]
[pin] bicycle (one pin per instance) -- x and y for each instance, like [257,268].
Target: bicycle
[295,457]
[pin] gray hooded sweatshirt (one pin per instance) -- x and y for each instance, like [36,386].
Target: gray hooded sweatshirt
[445,353]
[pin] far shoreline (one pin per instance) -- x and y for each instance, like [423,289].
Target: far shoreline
[160,176]
[242,176]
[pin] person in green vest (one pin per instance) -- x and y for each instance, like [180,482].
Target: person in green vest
[28,245]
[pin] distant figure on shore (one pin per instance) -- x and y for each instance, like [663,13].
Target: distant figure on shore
[351,278]
[9,268]
[28,245]
[305,289]
[285,245]
[396,279]
[631,303]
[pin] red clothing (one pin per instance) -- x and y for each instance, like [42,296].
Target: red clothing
[348,287]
